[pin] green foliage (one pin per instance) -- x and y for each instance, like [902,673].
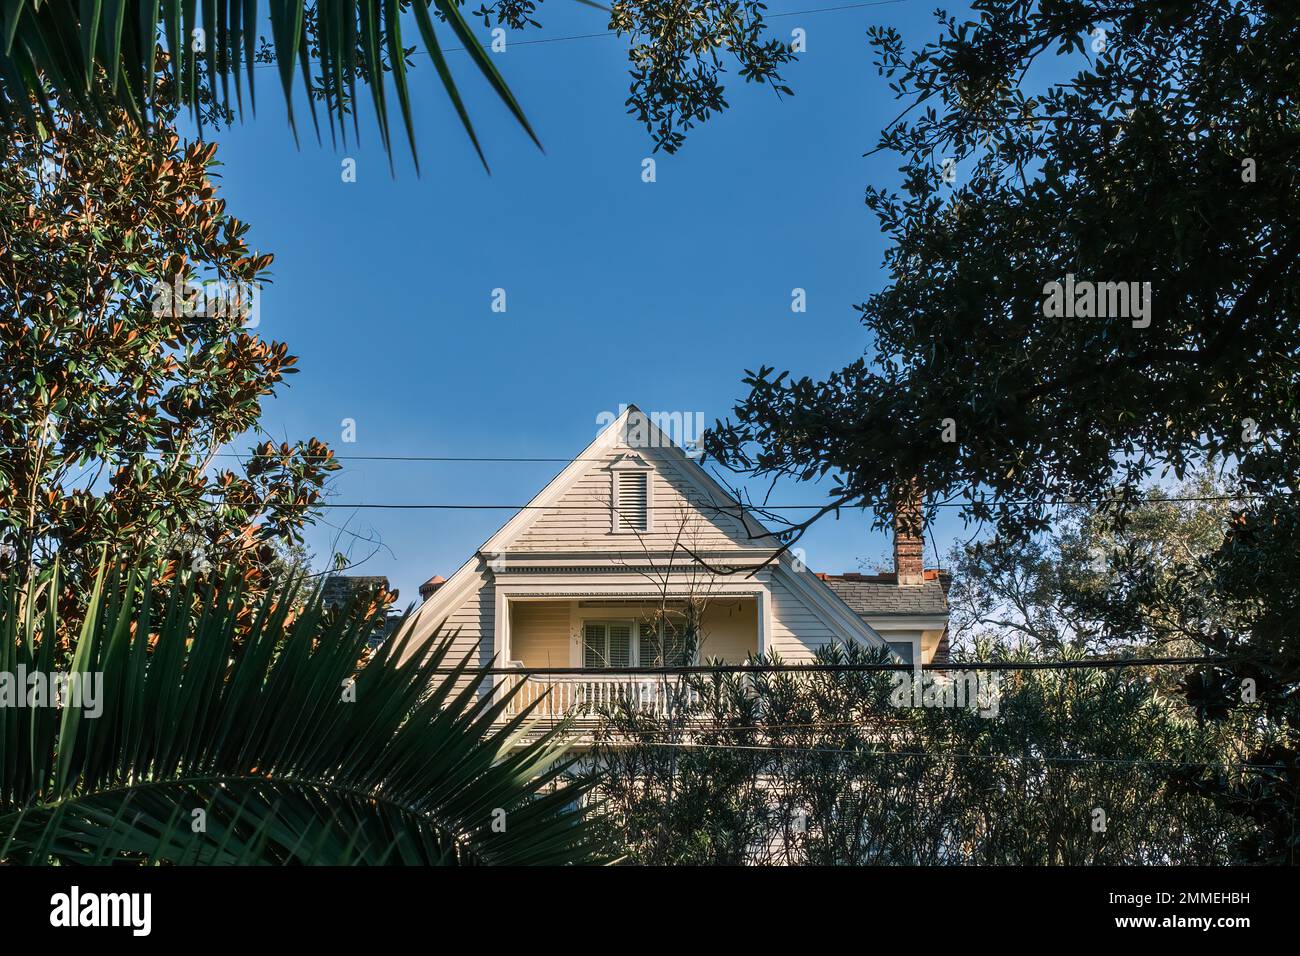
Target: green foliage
[1102,580]
[1068,183]
[98,59]
[1163,155]
[822,768]
[118,396]
[294,748]
[676,63]
[1253,578]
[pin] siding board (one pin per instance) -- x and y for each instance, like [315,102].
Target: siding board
[581,519]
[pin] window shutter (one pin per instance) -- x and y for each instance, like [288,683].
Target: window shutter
[674,644]
[631,500]
[620,645]
[593,645]
[649,646]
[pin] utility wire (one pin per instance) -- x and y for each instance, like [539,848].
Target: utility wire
[885,722]
[611,33]
[1065,761]
[603,508]
[500,459]
[418,506]
[294,453]
[1081,664]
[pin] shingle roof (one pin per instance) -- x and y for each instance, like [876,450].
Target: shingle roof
[880,595]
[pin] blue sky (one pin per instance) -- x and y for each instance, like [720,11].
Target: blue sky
[659,294]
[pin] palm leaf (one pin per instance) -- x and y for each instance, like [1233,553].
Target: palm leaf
[226,738]
[98,57]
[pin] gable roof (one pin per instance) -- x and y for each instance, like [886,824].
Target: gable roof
[811,587]
[610,438]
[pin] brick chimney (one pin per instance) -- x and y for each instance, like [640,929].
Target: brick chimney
[909,541]
[429,587]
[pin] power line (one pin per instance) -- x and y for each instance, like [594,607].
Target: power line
[296,453]
[506,459]
[758,509]
[593,508]
[1044,758]
[849,6]
[885,722]
[611,33]
[1080,664]
[250,456]
[503,459]
[992,503]
[603,508]
[724,509]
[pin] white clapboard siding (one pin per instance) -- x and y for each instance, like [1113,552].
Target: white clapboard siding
[581,518]
[469,625]
[797,629]
[800,614]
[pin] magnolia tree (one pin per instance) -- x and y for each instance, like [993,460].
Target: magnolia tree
[132,361]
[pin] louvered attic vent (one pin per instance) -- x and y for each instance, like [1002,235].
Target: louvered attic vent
[631,501]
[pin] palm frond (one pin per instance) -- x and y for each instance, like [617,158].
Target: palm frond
[99,56]
[223,741]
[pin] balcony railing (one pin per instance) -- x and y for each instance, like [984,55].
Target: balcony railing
[579,695]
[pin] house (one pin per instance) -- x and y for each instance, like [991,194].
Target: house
[344,590]
[906,615]
[634,555]
[340,590]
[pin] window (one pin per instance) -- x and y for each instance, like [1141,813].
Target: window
[611,644]
[607,644]
[631,501]
[664,646]
[903,649]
